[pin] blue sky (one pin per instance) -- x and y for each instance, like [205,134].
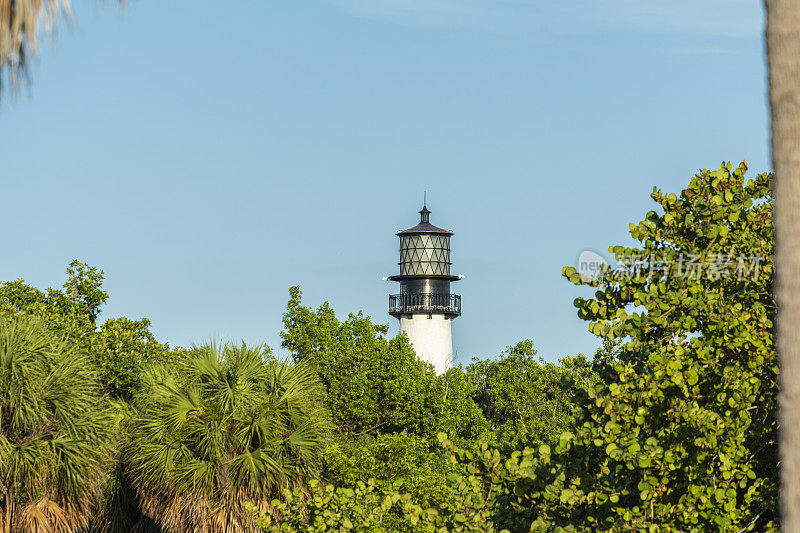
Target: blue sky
[208,158]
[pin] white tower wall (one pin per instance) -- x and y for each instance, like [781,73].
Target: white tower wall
[431,337]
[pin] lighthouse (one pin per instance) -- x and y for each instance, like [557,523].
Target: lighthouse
[425,306]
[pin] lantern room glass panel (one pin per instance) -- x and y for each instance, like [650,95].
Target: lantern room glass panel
[425,255]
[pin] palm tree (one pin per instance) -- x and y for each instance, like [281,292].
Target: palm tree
[20,23]
[230,425]
[783,58]
[54,432]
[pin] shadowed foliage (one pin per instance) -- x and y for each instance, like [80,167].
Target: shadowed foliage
[230,424]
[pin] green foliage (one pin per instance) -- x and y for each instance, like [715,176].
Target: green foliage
[374,507]
[388,458]
[60,314]
[229,424]
[122,350]
[528,401]
[84,287]
[680,433]
[375,384]
[119,351]
[672,428]
[55,431]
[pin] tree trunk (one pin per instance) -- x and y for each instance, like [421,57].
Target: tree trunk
[8,514]
[783,59]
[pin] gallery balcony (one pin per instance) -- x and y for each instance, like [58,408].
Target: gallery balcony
[410,303]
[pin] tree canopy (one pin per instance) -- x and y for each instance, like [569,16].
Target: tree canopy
[119,350]
[528,401]
[374,383]
[680,432]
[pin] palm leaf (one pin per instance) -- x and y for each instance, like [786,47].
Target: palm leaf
[232,425]
[55,443]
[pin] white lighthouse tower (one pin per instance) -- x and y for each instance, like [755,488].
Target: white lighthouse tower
[425,307]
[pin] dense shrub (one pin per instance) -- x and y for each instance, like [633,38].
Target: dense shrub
[383,508]
[388,458]
[375,384]
[526,400]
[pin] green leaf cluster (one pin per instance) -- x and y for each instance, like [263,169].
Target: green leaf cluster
[375,507]
[374,384]
[386,458]
[679,434]
[526,400]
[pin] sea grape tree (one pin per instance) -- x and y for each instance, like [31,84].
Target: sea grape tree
[680,432]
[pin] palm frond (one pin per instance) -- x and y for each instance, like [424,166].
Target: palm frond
[233,425]
[55,442]
[21,22]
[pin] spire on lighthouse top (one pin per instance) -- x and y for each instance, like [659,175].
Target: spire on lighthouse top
[424,215]
[424,225]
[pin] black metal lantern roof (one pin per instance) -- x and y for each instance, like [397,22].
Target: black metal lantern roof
[424,226]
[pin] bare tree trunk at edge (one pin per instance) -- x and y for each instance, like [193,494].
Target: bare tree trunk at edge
[783,60]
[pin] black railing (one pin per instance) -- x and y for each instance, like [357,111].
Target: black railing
[449,304]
